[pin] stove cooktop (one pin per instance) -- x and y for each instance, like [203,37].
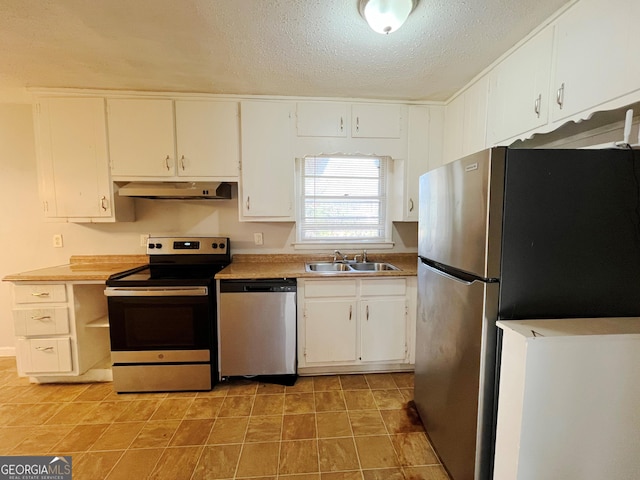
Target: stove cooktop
[178,261]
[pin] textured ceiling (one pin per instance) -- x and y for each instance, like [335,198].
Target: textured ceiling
[320,48]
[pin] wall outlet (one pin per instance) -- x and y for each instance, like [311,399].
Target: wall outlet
[57,240]
[258,239]
[144,239]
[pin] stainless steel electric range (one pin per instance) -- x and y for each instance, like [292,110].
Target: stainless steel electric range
[162,317]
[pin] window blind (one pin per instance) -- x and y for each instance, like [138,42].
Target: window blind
[343,198]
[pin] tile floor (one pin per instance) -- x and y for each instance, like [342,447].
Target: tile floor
[348,427]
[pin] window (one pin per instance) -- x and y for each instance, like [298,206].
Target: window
[342,199]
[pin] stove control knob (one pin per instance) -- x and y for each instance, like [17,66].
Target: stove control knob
[222,245]
[152,245]
[214,245]
[158,245]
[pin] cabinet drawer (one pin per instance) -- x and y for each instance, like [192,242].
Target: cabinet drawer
[40,293]
[386,286]
[41,321]
[45,355]
[328,288]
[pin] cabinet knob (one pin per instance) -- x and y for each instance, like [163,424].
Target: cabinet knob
[341,124]
[166,163]
[357,124]
[350,311]
[536,106]
[104,203]
[40,294]
[182,162]
[44,349]
[42,318]
[248,204]
[411,204]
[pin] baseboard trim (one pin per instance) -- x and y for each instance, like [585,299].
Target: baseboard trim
[7,351]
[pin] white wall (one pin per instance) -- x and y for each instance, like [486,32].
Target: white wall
[26,239]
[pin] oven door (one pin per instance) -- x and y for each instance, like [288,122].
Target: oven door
[160,324]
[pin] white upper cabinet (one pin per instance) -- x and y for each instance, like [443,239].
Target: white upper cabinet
[424,152]
[201,141]
[322,119]
[208,138]
[268,167]
[519,90]
[466,121]
[141,137]
[376,121]
[73,164]
[474,136]
[453,131]
[334,119]
[596,60]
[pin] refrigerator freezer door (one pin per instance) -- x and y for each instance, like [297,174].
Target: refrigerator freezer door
[461,213]
[455,369]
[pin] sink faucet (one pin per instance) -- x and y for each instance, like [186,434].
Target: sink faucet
[335,256]
[364,256]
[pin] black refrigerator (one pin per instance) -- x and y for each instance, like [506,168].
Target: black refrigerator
[509,234]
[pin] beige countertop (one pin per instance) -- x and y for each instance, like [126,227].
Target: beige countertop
[100,267]
[82,268]
[293,266]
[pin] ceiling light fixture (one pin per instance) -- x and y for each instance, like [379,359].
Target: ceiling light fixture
[386,16]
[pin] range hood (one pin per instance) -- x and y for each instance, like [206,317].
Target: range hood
[177,190]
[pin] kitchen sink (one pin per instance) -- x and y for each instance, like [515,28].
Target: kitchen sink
[326,267]
[372,267]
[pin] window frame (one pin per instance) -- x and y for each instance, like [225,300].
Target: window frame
[382,243]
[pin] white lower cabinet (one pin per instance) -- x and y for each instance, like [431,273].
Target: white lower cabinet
[45,355]
[383,329]
[61,329]
[324,317]
[355,324]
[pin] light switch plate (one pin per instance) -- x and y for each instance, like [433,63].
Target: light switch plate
[258,239]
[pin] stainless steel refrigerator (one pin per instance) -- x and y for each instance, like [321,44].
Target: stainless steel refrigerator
[513,234]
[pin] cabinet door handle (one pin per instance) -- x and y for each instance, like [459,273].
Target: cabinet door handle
[367,313]
[341,124]
[248,204]
[536,107]
[166,163]
[44,349]
[40,294]
[182,162]
[357,124]
[350,311]
[560,96]
[411,204]
[104,204]
[42,318]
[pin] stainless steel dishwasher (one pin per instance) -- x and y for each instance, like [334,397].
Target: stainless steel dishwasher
[257,327]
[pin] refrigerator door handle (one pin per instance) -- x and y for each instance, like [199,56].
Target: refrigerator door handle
[453,274]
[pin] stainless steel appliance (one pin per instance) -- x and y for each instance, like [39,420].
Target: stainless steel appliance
[257,327]
[162,316]
[513,234]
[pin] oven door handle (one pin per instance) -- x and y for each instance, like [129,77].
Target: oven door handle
[156,292]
